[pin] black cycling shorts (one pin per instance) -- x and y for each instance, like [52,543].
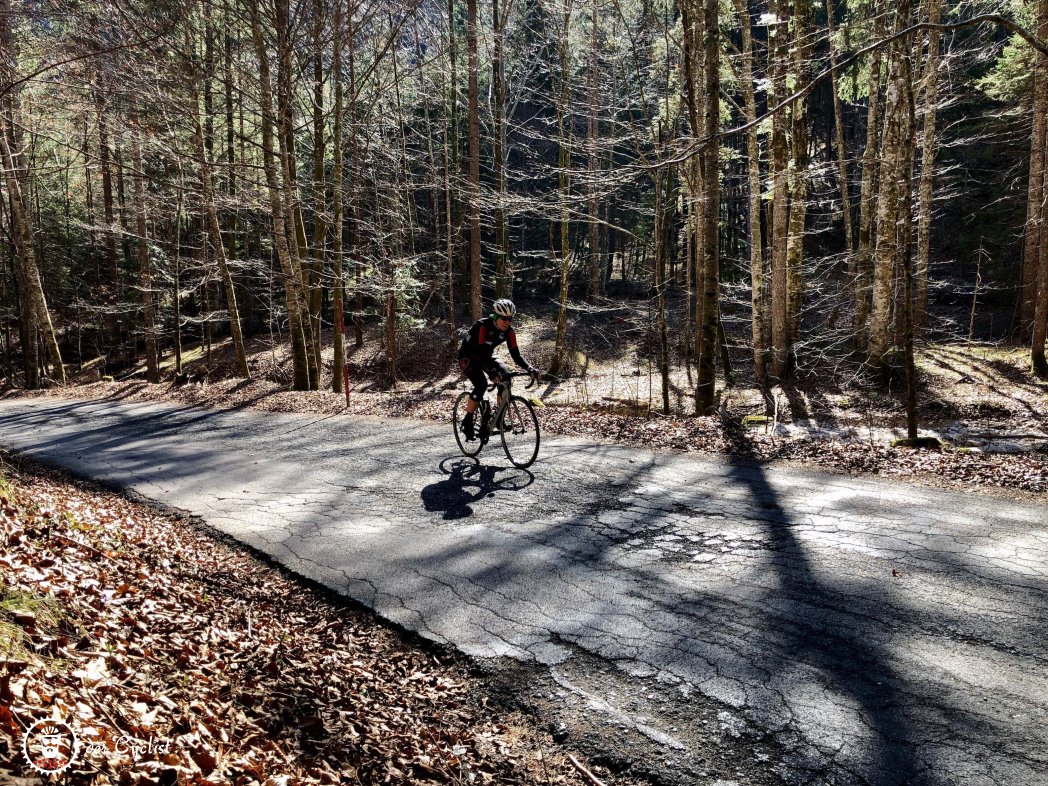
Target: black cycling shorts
[475,371]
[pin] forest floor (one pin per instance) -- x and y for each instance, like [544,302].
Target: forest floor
[980,400]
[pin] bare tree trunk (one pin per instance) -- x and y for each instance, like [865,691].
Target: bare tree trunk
[906,312]
[662,189]
[694,64]
[449,238]
[860,270]
[778,57]
[405,186]
[802,52]
[503,272]
[705,387]
[701,46]
[35,314]
[89,201]
[893,192]
[204,154]
[595,283]
[453,99]
[33,288]
[1040,318]
[113,285]
[214,230]
[563,163]
[1033,250]
[391,335]
[338,373]
[354,164]
[106,169]
[753,172]
[1039,147]
[297,243]
[924,210]
[838,129]
[231,180]
[27,333]
[316,290]
[292,277]
[176,232]
[474,160]
[145,280]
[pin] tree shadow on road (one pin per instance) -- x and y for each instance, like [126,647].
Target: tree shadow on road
[469,481]
[812,621]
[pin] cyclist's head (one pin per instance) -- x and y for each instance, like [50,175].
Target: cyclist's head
[504,309]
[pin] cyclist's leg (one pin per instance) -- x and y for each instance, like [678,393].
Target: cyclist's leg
[480,384]
[497,370]
[474,373]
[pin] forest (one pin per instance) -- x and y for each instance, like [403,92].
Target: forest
[783,186]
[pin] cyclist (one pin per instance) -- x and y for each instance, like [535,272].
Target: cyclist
[475,356]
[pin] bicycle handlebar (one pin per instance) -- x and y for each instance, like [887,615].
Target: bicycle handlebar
[511,374]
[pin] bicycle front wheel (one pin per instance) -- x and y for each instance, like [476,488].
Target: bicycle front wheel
[468,448]
[520,432]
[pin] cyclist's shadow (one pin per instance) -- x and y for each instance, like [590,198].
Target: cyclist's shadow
[469,481]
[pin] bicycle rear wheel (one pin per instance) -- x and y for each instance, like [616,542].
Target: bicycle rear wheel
[468,448]
[520,432]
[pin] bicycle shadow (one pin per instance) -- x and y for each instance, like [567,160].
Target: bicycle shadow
[468,482]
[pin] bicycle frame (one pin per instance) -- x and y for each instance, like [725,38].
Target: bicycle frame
[518,410]
[504,393]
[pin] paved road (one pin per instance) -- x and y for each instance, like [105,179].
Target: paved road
[882,634]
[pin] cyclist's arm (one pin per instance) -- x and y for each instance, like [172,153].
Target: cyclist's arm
[511,340]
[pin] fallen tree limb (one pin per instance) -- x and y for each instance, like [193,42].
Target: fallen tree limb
[593,779]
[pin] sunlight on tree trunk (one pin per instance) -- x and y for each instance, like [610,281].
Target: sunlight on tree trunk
[928,147]
[1039,152]
[145,278]
[215,228]
[563,164]
[35,313]
[476,306]
[594,278]
[861,266]
[753,172]
[292,277]
[778,59]
[702,47]
[838,135]
[798,181]
[893,200]
[503,272]
[29,273]
[338,371]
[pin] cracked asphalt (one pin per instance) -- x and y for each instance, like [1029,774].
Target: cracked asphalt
[869,632]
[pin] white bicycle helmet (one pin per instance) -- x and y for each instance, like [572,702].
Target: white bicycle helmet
[504,308]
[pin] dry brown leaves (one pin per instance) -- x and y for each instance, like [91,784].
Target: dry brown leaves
[177,659]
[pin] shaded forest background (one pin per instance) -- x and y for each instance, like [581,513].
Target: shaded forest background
[823,183]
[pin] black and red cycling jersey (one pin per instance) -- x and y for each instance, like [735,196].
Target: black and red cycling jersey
[479,346]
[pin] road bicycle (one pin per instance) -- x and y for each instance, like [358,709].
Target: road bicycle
[513,419]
